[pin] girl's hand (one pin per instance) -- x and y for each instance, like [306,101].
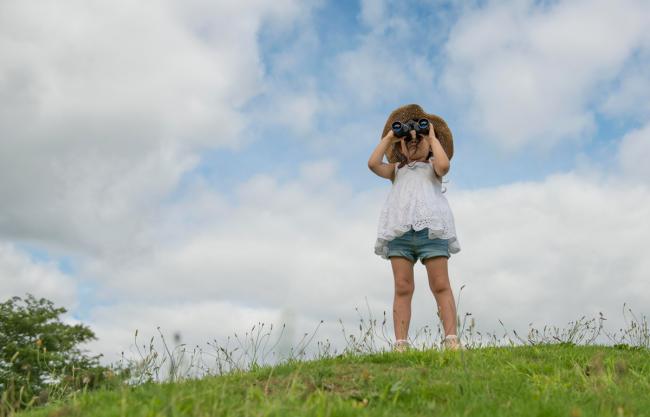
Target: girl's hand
[432,133]
[390,137]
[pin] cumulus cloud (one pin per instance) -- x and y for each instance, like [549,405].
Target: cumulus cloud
[628,99]
[19,274]
[103,109]
[290,244]
[293,111]
[528,71]
[195,324]
[384,66]
[633,153]
[374,74]
[554,250]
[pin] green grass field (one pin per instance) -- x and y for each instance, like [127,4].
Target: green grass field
[542,380]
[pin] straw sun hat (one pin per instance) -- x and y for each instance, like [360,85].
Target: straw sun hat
[414,111]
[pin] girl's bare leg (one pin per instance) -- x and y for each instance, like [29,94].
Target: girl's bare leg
[439,284]
[404,288]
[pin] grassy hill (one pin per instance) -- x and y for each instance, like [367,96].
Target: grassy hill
[541,380]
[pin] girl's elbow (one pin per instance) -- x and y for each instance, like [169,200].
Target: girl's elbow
[443,170]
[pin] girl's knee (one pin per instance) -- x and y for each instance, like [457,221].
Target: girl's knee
[404,288]
[440,289]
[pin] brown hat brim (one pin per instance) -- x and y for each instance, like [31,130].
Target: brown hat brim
[414,111]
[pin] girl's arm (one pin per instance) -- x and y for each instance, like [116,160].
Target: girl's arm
[440,160]
[375,162]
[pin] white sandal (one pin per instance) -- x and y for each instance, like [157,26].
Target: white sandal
[401,345]
[452,342]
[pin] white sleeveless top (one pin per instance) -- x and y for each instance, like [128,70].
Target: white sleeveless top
[416,202]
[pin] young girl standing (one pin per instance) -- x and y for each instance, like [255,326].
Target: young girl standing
[416,220]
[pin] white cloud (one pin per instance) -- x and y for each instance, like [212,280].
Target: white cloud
[319,172]
[383,65]
[529,73]
[273,247]
[372,74]
[20,275]
[103,108]
[629,98]
[633,153]
[196,323]
[373,13]
[292,112]
[554,250]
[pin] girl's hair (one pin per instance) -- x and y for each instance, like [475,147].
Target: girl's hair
[397,152]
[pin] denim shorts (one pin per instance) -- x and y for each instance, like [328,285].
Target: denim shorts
[414,245]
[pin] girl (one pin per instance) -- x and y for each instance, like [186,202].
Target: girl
[416,220]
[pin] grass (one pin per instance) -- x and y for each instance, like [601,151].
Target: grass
[548,372]
[542,380]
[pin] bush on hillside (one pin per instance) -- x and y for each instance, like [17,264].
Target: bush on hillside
[39,352]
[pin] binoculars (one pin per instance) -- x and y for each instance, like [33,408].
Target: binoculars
[403,129]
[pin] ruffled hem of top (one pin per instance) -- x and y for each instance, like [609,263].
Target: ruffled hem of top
[381,245]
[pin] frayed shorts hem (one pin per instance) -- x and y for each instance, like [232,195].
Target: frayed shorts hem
[414,245]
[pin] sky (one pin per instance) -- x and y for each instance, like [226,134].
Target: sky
[201,166]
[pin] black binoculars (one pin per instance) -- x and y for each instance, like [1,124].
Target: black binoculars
[403,129]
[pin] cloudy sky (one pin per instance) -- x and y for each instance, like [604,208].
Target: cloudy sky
[202,165]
